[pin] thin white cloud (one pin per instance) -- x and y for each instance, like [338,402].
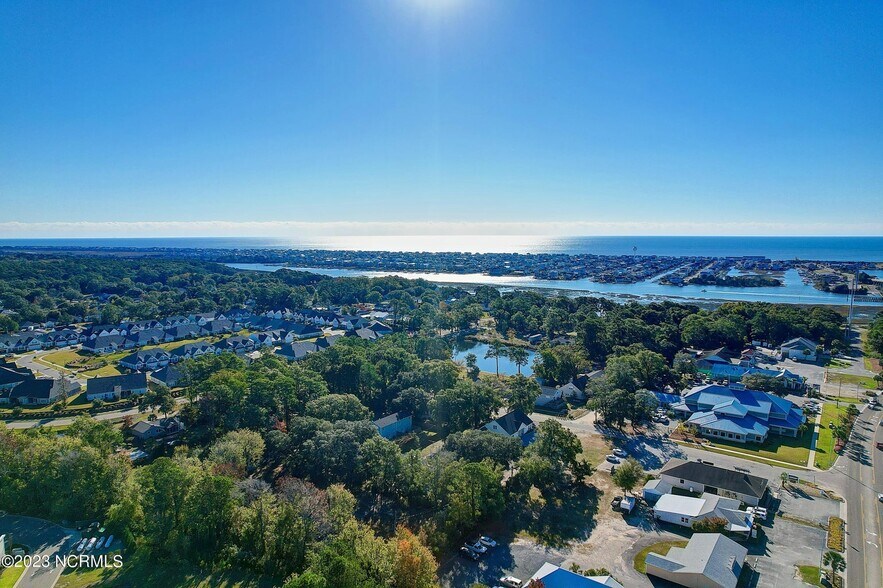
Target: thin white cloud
[294,229]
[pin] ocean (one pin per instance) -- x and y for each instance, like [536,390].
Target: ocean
[808,248]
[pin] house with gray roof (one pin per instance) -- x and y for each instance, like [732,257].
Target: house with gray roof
[686,510]
[710,560]
[116,387]
[800,349]
[513,424]
[702,477]
[393,425]
[146,359]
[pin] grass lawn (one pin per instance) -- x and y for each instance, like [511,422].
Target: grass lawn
[138,571]
[866,382]
[825,455]
[661,548]
[838,363]
[747,456]
[788,449]
[9,576]
[811,575]
[64,356]
[595,449]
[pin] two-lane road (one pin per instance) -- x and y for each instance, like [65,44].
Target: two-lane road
[858,470]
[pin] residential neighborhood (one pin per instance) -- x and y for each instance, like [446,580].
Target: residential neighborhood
[734,464]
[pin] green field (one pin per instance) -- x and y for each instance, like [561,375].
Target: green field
[138,571]
[811,575]
[661,548]
[866,382]
[9,576]
[825,456]
[793,450]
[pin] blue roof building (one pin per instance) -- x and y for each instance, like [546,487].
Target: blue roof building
[393,425]
[737,414]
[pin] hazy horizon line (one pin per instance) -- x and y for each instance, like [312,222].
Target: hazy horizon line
[318,229]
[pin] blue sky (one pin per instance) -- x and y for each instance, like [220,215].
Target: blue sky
[575,117]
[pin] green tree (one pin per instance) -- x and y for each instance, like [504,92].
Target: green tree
[496,350]
[208,516]
[835,561]
[473,494]
[522,393]
[519,356]
[472,369]
[710,525]
[243,449]
[465,406]
[477,445]
[337,407]
[628,474]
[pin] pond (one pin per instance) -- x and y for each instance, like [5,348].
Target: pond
[463,347]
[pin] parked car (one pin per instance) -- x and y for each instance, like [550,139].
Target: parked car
[109,541]
[100,543]
[620,452]
[468,553]
[880,497]
[91,544]
[511,582]
[476,546]
[487,541]
[615,502]
[612,458]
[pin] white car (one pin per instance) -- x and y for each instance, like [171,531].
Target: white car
[612,458]
[620,453]
[510,582]
[880,497]
[487,541]
[476,546]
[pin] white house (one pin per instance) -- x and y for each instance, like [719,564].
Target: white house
[695,476]
[799,349]
[686,510]
[710,560]
[513,424]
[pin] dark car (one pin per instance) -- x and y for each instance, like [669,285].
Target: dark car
[468,554]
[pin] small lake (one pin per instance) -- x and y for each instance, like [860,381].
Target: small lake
[463,347]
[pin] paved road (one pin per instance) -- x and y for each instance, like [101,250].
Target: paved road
[854,477]
[28,360]
[63,421]
[44,539]
[857,472]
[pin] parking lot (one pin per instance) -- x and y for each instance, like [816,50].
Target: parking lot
[520,558]
[42,538]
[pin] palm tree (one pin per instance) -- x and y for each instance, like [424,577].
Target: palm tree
[496,349]
[519,357]
[835,561]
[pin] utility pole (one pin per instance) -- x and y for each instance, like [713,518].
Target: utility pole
[852,290]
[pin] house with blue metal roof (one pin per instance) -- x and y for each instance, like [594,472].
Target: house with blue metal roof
[736,413]
[732,372]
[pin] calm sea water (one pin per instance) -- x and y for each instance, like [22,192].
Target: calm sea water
[793,292]
[820,248]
